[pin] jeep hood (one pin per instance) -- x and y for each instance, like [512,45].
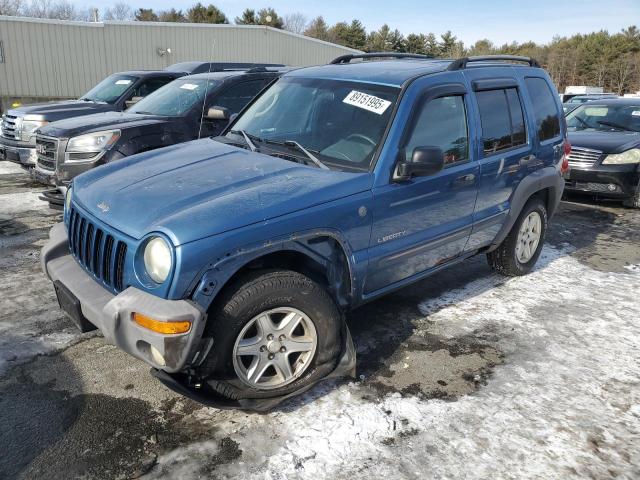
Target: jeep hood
[75,126]
[202,188]
[607,142]
[53,111]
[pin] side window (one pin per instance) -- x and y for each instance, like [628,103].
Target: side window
[237,96]
[442,122]
[502,120]
[544,108]
[150,86]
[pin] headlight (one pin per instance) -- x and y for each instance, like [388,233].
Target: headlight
[91,146]
[67,199]
[157,259]
[28,128]
[630,156]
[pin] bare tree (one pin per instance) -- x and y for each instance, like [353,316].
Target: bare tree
[11,7]
[120,11]
[295,22]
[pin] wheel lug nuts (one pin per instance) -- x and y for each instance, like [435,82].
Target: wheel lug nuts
[271,356]
[281,337]
[269,337]
[283,349]
[263,348]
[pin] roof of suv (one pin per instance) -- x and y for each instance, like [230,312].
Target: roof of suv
[235,73]
[384,72]
[397,71]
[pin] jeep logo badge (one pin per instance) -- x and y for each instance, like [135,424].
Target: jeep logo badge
[104,206]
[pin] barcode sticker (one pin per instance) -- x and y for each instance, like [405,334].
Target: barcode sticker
[368,102]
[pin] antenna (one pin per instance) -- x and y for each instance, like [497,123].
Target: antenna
[206,90]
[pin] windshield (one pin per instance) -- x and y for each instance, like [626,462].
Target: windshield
[110,89]
[605,117]
[341,122]
[174,99]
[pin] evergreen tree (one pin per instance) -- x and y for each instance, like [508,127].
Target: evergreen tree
[248,18]
[317,29]
[201,14]
[146,15]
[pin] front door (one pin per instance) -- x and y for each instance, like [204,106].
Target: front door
[422,222]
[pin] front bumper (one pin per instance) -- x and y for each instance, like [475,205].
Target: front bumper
[112,313]
[614,181]
[18,152]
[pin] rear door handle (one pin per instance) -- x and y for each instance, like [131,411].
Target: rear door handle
[526,160]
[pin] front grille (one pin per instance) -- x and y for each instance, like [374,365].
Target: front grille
[97,251]
[47,152]
[10,127]
[583,157]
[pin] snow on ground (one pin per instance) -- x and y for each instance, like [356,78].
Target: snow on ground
[28,324]
[565,403]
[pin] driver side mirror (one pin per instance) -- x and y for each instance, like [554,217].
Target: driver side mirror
[425,161]
[217,113]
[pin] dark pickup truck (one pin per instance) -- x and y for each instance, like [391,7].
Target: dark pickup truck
[186,109]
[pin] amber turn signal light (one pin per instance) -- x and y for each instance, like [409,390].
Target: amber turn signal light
[167,328]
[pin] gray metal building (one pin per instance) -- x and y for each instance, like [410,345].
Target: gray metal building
[49,59]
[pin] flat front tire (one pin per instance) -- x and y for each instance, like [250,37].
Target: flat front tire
[519,251]
[271,330]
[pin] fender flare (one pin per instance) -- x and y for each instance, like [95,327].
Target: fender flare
[546,178]
[210,281]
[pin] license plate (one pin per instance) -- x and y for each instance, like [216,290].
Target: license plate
[71,305]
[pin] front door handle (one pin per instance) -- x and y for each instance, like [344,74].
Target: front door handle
[464,180]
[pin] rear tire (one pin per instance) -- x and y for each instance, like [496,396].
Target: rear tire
[271,330]
[519,251]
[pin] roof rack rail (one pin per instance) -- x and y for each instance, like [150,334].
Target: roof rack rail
[348,58]
[461,63]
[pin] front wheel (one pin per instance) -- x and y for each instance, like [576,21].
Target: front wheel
[271,331]
[519,251]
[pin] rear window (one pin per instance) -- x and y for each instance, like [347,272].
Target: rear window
[503,125]
[544,108]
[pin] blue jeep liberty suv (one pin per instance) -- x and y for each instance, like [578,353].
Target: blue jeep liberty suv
[227,264]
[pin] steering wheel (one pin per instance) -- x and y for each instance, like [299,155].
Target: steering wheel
[359,136]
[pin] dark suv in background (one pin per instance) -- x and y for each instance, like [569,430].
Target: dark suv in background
[114,94]
[178,112]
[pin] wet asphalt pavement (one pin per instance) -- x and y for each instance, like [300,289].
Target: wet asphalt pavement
[72,406]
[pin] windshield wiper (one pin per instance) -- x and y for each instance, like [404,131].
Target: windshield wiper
[616,125]
[311,156]
[247,139]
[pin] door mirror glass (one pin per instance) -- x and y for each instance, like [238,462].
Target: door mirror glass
[217,113]
[424,161]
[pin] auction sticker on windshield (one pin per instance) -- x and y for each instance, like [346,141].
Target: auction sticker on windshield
[123,82]
[368,102]
[189,86]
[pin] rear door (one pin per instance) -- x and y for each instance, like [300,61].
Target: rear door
[422,222]
[506,149]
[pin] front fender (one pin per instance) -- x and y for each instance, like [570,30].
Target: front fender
[312,243]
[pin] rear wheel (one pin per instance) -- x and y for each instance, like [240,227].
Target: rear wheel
[519,251]
[271,330]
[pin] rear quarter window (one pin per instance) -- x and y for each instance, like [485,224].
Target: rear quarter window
[544,108]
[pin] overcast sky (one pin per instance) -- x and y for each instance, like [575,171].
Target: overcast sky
[498,20]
